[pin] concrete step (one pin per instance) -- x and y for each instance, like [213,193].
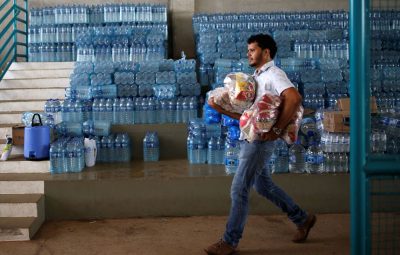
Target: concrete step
[22,106]
[37,74]
[35,83]
[41,65]
[20,165]
[31,94]
[11,118]
[177,188]
[19,228]
[21,187]
[21,205]
[4,130]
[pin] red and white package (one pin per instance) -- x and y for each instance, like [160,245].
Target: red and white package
[247,126]
[290,133]
[266,112]
[220,96]
[262,117]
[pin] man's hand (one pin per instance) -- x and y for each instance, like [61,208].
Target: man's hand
[221,110]
[269,136]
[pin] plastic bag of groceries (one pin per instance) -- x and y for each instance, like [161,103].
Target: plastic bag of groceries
[220,96]
[262,117]
[290,133]
[248,127]
[242,90]
[266,112]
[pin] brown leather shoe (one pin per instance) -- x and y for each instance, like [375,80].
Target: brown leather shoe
[302,232]
[220,248]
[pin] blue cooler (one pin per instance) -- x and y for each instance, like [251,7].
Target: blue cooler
[36,141]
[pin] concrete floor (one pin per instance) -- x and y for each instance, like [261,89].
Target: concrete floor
[182,236]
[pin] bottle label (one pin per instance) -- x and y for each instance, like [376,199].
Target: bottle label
[231,162]
[315,160]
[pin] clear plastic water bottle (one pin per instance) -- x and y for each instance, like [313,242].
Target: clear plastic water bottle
[297,158]
[109,110]
[123,111]
[179,110]
[151,147]
[116,111]
[138,110]
[118,148]
[80,155]
[329,164]
[152,111]
[315,159]
[215,152]
[171,111]
[144,110]
[126,148]
[193,106]
[282,157]
[231,156]
[129,117]
[56,158]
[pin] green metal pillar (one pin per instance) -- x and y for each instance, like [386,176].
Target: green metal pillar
[359,122]
[15,10]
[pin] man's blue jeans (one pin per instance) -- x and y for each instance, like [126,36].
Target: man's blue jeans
[253,171]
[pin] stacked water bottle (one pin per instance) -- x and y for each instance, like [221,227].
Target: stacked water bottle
[54,32]
[151,147]
[385,88]
[113,148]
[67,155]
[121,43]
[214,140]
[298,34]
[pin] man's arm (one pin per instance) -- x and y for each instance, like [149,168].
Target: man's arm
[223,111]
[291,100]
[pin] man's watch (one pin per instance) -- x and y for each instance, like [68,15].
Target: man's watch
[277,131]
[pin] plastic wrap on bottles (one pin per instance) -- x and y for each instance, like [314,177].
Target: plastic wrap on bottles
[242,90]
[290,133]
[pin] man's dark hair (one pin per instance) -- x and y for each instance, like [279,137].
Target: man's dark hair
[264,41]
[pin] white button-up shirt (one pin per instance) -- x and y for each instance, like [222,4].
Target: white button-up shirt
[272,79]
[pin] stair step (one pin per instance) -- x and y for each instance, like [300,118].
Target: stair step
[20,205]
[19,228]
[10,118]
[41,65]
[4,130]
[38,74]
[16,228]
[35,83]
[21,187]
[31,94]
[31,177]
[20,165]
[22,106]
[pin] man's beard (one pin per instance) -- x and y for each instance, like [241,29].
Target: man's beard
[255,62]
[253,65]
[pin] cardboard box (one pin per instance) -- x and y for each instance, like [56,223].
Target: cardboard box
[18,134]
[337,121]
[344,104]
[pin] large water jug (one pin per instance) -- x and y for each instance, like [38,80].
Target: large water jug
[36,140]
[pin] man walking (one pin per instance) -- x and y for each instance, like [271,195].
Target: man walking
[253,170]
